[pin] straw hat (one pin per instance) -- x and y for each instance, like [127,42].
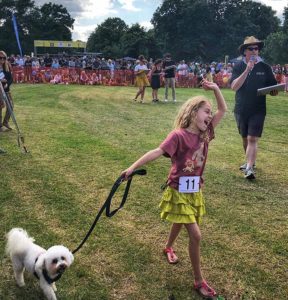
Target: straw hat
[250,40]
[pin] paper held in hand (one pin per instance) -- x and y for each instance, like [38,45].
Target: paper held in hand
[268,89]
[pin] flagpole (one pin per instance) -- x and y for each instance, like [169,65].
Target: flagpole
[16,33]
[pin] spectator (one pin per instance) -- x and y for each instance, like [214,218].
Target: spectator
[155,79]
[57,79]
[6,81]
[141,80]
[48,60]
[169,68]
[111,67]
[182,70]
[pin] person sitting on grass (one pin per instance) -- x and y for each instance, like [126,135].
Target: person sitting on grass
[182,201]
[57,79]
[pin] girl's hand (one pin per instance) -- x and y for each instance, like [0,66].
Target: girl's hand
[207,85]
[126,173]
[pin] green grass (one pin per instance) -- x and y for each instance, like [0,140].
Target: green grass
[80,139]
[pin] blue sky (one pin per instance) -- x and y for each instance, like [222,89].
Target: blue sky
[90,13]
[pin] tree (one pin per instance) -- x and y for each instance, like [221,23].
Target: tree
[51,21]
[276,44]
[54,21]
[106,38]
[210,29]
[285,23]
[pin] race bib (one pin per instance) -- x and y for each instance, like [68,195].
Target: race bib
[189,184]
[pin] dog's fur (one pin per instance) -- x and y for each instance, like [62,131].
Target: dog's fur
[36,260]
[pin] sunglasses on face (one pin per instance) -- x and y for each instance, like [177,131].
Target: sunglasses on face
[2,57]
[253,48]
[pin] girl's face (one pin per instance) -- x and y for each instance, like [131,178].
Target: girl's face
[2,58]
[203,117]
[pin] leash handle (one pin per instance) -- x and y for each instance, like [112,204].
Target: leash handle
[107,203]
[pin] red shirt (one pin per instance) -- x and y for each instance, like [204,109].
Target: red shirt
[188,153]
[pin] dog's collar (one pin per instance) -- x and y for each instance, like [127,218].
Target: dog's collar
[48,279]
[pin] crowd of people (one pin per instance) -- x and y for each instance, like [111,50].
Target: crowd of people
[93,70]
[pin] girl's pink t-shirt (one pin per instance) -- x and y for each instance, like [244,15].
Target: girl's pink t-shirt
[188,153]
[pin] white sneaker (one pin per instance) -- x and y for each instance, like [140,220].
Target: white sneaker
[249,174]
[174,100]
[166,100]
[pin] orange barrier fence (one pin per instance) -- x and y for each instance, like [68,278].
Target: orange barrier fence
[72,76]
[66,75]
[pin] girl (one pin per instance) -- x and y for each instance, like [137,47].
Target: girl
[141,78]
[83,78]
[6,80]
[182,201]
[155,79]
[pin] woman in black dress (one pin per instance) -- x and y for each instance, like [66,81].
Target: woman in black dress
[155,79]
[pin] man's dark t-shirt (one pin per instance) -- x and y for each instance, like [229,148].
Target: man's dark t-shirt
[169,72]
[247,101]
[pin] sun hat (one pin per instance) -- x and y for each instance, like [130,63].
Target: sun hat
[250,40]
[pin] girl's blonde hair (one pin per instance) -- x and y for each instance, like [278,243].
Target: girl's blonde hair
[6,65]
[188,111]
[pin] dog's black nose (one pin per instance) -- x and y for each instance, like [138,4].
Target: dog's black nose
[62,267]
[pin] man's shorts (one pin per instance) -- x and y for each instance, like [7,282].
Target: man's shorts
[250,125]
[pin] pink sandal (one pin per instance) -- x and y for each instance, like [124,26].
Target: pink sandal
[209,292]
[170,255]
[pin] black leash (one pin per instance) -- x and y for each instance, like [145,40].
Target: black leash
[107,204]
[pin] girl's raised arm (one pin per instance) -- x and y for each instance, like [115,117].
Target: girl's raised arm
[221,104]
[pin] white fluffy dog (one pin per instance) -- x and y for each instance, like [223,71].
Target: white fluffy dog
[46,265]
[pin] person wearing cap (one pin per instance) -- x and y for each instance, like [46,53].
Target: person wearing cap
[249,75]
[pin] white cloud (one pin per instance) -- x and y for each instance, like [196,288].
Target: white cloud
[128,5]
[93,9]
[277,5]
[146,24]
[82,32]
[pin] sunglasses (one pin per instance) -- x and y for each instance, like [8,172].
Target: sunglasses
[253,48]
[3,57]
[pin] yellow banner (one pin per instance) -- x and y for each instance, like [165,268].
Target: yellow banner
[59,44]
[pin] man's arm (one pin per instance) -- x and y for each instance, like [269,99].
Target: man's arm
[238,82]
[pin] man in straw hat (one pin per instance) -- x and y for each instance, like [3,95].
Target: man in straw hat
[248,76]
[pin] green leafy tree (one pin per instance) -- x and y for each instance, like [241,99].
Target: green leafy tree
[276,44]
[21,9]
[134,41]
[210,29]
[51,22]
[273,51]
[107,36]
[152,45]
[285,23]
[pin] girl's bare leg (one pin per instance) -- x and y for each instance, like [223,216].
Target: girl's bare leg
[142,93]
[174,232]
[194,249]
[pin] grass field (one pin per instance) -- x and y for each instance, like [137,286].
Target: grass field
[80,138]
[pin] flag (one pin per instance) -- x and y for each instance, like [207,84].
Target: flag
[16,33]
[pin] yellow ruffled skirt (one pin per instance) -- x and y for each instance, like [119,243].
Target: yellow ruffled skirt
[141,80]
[181,207]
